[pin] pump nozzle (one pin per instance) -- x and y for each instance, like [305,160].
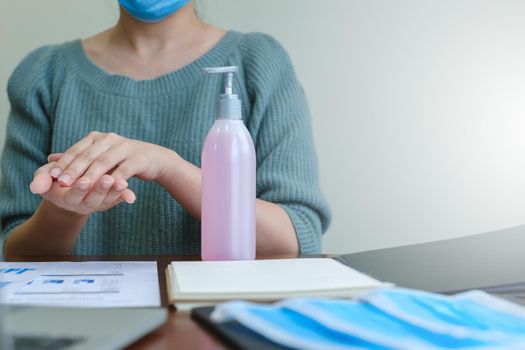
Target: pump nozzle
[228,76]
[229,105]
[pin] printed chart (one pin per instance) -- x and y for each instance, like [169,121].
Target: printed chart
[80,284]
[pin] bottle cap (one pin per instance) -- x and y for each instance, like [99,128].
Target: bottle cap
[229,104]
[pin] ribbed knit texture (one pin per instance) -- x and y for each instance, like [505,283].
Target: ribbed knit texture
[58,96]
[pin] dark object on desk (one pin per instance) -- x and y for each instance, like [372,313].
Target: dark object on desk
[492,261]
[55,328]
[233,333]
[45,342]
[514,292]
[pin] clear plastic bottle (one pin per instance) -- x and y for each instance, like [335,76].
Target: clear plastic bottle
[228,181]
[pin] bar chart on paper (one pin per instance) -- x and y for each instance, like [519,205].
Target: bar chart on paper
[81,284]
[47,285]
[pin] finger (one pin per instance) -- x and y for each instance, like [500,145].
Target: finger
[53,157]
[89,156]
[130,167]
[71,154]
[42,181]
[76,194]
[114,197]
[128,196]
[106,162]
[98,193]
[120,185]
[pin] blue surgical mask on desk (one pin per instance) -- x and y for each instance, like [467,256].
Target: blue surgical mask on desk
[376,322]
[151,11]
[472,314]
[289,328]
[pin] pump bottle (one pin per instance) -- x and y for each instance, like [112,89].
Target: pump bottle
[228,181]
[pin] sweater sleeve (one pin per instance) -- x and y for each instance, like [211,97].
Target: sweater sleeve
[27,137]
[287,171]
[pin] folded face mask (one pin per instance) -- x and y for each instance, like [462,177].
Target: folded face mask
[369,323]
[473,314]
[287,327]
[382,319]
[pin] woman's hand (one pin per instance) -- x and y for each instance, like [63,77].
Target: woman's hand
[98,154]
[81,198]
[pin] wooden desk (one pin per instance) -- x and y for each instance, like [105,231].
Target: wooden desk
[488,259]
[179,331]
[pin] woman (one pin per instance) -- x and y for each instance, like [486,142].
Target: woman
[130,108]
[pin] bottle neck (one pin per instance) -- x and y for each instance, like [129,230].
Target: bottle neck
[229,107]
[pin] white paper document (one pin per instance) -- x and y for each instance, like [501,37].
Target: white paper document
[193,281]
[80,284]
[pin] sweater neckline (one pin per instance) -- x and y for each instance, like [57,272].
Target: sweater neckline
[169,83]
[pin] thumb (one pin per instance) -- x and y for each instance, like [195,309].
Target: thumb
[42,181]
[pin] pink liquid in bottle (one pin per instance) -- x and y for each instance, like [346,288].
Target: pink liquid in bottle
[228,193]
[228,185]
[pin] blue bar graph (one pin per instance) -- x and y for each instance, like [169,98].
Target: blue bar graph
[17,270]
[90,281]
[53,282]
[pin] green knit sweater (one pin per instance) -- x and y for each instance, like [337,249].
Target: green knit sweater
[58,96]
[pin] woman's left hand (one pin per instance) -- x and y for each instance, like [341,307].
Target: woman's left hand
[108,153]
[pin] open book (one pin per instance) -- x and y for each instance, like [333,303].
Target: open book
[263,280]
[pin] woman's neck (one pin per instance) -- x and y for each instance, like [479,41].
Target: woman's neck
[175,31]
[148,50]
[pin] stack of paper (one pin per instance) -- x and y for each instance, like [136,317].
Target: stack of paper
[263,280]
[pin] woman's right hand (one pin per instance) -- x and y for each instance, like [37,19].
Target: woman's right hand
[81,198]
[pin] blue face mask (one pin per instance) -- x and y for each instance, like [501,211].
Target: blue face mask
[292,329]
[385,319]
[475,314]
[151,11]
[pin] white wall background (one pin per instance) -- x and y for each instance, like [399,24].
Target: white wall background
[418,105]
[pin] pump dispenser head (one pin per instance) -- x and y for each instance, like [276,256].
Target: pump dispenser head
[229,104]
